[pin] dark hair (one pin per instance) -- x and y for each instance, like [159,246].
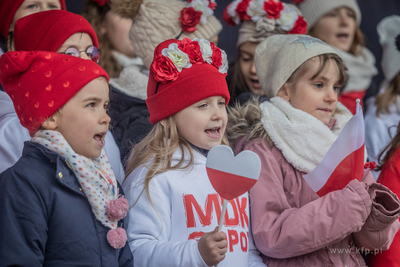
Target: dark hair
[96,14]
[235,80]
[384,100]
[390,149]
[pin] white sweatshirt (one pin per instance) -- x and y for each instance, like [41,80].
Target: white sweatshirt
[185,206]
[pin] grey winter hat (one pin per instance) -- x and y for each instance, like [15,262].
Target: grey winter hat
[313,10]
[278,56]
[389,38]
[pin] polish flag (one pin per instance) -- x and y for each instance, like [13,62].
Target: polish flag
[229,175]
[344,160]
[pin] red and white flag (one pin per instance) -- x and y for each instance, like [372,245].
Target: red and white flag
[344,160]
[229,175]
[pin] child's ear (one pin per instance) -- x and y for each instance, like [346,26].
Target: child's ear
[284,92]
[51,122]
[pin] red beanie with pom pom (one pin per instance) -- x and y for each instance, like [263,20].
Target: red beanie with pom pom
[8,8]
[56,26]
[40,83]
[183,73]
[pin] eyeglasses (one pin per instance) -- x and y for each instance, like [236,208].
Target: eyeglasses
[92,52]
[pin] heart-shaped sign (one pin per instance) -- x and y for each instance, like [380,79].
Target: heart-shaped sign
[229,175]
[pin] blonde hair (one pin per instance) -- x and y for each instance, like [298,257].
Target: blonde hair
[386,99]
[158,148]
[96,14]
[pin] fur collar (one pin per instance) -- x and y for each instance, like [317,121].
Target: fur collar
[132,81]
[303,139]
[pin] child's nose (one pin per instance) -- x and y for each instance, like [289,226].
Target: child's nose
[217,115]
[331,95]
[105,118]
[344,19]
[83,55]
[253,68]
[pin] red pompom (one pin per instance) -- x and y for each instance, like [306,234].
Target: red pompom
[117,208]
[117,237]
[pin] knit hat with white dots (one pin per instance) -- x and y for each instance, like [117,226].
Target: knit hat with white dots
[40,83]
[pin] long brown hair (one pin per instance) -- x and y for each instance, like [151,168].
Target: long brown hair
[358,42]
[384,100]
[235,80]
[390,149]
[96,14]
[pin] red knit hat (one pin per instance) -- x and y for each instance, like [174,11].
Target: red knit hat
[40,83]
[48,30]
[8,8]
[183,73]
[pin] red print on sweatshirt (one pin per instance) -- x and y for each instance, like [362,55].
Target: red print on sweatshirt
[235,217]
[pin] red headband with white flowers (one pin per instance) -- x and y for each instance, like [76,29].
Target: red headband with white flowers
[182,54]
[196,11]
[284,15]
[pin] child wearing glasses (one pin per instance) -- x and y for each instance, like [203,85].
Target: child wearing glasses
[63,32]
[60,203]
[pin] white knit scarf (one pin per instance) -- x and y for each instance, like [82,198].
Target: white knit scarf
[361,69]
[95,176]
[303,139]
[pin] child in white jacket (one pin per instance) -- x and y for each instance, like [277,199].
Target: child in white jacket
[174,208]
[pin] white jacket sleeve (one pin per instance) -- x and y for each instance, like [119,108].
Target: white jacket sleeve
[150,224]
[255,259]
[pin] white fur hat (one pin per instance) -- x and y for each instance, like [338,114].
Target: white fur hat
[313,10]
[389,37]
[278,56]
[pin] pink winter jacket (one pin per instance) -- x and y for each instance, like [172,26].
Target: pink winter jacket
[293,226]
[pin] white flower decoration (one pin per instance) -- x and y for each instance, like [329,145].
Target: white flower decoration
[206,49]
[177,56]
[256,10]
[288,17]
[202,6]
[224,67]
[232,11]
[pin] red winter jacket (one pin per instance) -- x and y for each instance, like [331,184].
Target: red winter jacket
[390,177]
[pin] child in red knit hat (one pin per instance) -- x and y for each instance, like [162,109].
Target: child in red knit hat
[167,184]
[59,31]
[12,10]
[60,202]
